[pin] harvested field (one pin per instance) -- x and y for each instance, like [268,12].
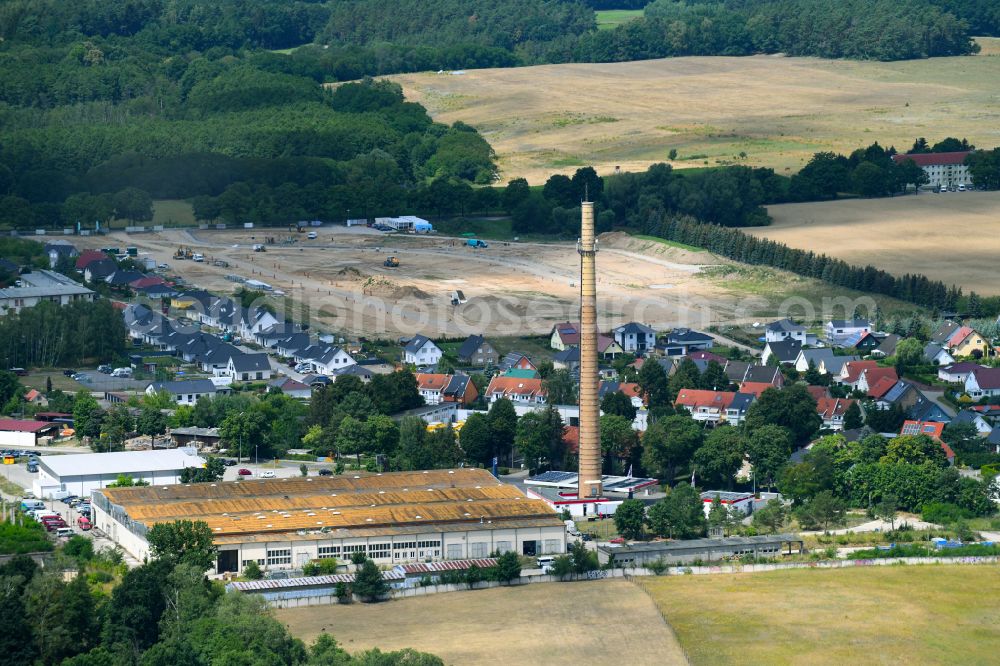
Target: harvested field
[951,237]
[776,110]
[578,623]
[881,615]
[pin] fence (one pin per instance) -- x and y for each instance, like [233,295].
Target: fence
[313,597]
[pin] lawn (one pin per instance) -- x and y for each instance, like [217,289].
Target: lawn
[612,18]
[892,615]
[564,623]
[173,213]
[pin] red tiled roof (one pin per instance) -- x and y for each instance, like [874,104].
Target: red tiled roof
[515,386]
[706,356]
[882,386]
[855,368]
[828,408]
[700,398]
[933,159]
[755,388]
[432,382]
[571,438]
[818,392]
[148,281]
[929,428]
[87,257]
[987,378]
[959,336]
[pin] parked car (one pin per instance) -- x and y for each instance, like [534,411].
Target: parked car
[68,499]
[229,462]
[32,466]
[69,373]
[83,523]
[266,474]
[244,472]
[104,369]
[326,471]
[64,532]
[20,372]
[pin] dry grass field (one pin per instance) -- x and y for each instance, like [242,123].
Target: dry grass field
[606,622]
[951,237]
[885,615]
[776,110]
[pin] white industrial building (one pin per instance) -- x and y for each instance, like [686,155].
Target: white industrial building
[60,476]
[393,518]
[406,223]
[40,285]
[18,433]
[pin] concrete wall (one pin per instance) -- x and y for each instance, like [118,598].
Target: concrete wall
[18,439]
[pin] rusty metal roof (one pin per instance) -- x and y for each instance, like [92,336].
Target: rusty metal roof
[446,565]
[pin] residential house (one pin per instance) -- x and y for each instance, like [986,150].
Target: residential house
[156,292]
[902,393]
[567,359]
[630,389]
[684,341]
[249,367]
[290,387]
[838,331]
[87,257]
[865,342]
[255,320]
[835,364]
[942,169]
[520,373]
[957,373]
[123,278]
[887,347]
[325,359]
[764,374]
[704,356]
[738,408]
[42,286]
[966,342]
[755,388]
[832,411]
[186,392]
[99,270]
[932,430]
[786,329]
[516,360]
[936,354]
[564,335]
[635,338]
[983,382]
[851,371]
[35,397]
[925,409]
[736,371]
[477,351]
[59,249]
[608,348]
[813,356]
[517,390]
[784,352]
[975,419]
[460,389]
[421,351]
[362,372]
[431,386]
[705,406]
[290,345]
[870,378]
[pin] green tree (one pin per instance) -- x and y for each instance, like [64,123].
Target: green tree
[914,450]
[853,418]
[679,515]
[714,378]
[768,449]
[353,437]
[477,440]
[384,434]
[368,582]
[791,407]
[183,542]
[654,384]
[771,518]
[886,510]
[823,511]
[412,433]
[669,444]
[252,571]
[719,517]
[630,517]
[151,421]
[582,558]
[508,567]
[539,438]
[133,204]
[909,354]
[560,387]
[618,404]
[618,439]
[503,426]
[87,415]
[719,457]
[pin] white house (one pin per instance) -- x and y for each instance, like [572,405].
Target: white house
[421,350]
[249,367]
[942,169]
[957,373]
[983,382]
[838,331]
[79,474]
[634,337]
[786,329]
[325,359]
[817,357]
[39,286]
[185,392]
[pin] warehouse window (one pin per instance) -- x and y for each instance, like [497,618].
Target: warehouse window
[503,546]
[280,556]
[379,550]
[477,550]
[409,545]
[246,563]
[454,551]
[357,548]
[326,552]
[428,544]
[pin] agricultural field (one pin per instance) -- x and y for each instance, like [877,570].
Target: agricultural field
[950,237]
[568,623]
[770,111]
[890,615]
[612,18]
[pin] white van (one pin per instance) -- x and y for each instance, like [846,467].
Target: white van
[64,532]
[311,235]
[198,257]
[961,188]
[545,563]
[122,372]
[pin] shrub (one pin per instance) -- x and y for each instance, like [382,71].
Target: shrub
[252,571]
[358,559]
[943,513]
[657,566]
[343,592]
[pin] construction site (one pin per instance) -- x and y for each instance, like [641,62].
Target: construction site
[361,281]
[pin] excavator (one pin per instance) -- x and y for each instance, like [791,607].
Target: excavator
[391,262]
[183,252]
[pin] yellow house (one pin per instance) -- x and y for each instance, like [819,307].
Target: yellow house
[965,341]
[182,302]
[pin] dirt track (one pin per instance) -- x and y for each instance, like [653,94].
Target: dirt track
[511,289]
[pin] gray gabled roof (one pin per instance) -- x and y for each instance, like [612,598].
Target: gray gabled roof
[686,335]
[850,323]
[469,347]
[741,402]
[568,355]
[785,325]
[457,385]
[250,362]
[888,344]
[898,391]
[835,363]
[967,416]
[944,332]
[931,351]
[187,386]
[634,328]
[816,355]
[761,373]
[785,350]
[416,342]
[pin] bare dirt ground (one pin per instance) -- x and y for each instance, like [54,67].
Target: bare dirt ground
[777,110]
[512,289]
[951,237]
[606,622]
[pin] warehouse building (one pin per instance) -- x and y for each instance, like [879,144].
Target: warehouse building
[692,551]
[62,476]
[20,433]
[393,518]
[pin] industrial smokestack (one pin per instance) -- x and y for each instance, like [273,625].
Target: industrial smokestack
[590,433]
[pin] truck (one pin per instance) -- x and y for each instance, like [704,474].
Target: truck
[475,242]
[391,262]
[31,504]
